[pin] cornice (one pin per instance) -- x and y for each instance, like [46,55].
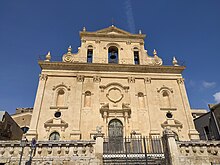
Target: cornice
[106,35]
[110,67]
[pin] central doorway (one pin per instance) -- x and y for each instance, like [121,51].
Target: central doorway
[115,133]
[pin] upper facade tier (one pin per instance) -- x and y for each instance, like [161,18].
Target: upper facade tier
[112,45]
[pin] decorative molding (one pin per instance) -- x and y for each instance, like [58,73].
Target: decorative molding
[131,80]
[80,78]
[96,79]
[147,80]
[180,80]
[168,109]
[164,88]
[43,77]
[172,123]
[114,95]
[97,41]
[58,107]
[128,42]
[50,124]
[110,67]
[126,88]
[102,87]
[61,85]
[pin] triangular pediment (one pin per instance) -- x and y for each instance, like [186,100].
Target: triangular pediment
[113,30]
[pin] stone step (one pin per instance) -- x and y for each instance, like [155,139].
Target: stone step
[112,161]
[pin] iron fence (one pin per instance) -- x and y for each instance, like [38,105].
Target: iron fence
[141,150]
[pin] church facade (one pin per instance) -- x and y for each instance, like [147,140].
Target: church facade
[113,86]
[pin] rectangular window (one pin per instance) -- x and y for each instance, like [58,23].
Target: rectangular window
[136,57]
[89,55]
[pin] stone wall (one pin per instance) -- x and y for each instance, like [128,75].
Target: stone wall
[51,153]
[190,152]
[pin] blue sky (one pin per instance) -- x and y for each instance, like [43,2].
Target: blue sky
[189,30]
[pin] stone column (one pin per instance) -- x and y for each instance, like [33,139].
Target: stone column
[170,148]
[193,134]
[32,133]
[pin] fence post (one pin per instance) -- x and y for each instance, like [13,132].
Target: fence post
[99,146]
[126,152]
[145,149]
[170,147]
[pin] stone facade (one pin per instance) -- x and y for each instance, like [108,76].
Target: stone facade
[111,78]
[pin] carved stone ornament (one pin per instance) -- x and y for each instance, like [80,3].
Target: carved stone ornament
[43,77]
[114,95]
[153,61]
[61,85]
[164,88]
[180,80]
[131,80]
[97,79]
[68,57]
[80,78]
[147,80]
[97,41]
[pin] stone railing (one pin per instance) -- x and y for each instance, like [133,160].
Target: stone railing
[50,152]
[190,152]
[199,152]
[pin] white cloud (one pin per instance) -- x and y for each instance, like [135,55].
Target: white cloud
[130,17]
[207,84]
[217,97]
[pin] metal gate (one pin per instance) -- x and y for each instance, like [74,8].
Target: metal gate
[133,150]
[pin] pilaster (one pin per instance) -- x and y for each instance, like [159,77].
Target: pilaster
[32,133]
[76,132]
[193,134]
[133,101]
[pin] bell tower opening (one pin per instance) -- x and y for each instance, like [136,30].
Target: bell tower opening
[113,55]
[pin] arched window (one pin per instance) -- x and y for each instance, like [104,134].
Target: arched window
[54,136]
[141,100]
[166,99]
[113,54]
[136,56]
[60,98]
[87,100]
[24,129]
[89,54]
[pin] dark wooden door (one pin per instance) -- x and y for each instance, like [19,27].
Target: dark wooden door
[115,130]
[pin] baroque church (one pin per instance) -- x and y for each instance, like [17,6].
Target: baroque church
[113,86]
[112,102]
